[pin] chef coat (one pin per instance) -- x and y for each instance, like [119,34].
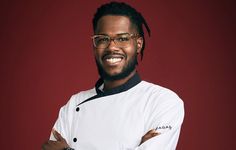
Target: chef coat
[118,118]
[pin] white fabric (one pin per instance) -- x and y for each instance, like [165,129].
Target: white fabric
[118,122]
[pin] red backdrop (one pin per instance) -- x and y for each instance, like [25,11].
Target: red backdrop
[46,56]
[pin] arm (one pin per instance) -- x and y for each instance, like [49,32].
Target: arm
[165,141]
[150,134]
[59,144]
[166,117]
[60,133]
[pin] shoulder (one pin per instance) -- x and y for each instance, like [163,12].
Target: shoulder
[159,95]
[163,107]
[156,89]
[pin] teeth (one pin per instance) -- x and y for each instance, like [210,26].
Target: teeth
[113,60]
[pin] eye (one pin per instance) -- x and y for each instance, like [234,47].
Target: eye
[102,39]
[122,39]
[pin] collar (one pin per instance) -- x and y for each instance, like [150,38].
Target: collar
[134,80]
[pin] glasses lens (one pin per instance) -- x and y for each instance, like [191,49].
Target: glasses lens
[123,40]
[101,41]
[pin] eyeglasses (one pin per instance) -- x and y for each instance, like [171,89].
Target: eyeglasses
[121,40]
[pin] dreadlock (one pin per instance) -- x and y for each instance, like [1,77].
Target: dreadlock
[123,9]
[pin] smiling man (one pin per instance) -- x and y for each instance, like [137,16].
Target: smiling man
[122,112]
[116,46]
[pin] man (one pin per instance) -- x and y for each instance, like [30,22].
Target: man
[122,112]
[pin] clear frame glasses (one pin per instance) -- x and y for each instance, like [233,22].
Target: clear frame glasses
[121,40]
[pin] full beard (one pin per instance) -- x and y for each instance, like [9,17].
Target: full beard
[130,67]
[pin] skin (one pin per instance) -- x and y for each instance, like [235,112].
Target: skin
[150,134]
[110,25]
[59,144]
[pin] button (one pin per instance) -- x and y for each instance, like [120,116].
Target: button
[77,109]
[74,139]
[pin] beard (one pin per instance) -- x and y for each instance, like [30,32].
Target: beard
[126,70]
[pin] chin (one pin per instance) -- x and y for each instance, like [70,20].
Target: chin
[116,73]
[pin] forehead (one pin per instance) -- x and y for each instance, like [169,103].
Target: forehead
[112,25]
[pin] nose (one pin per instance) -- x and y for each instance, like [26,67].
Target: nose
[112,45]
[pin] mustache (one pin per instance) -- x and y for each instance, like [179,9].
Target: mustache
[109,53]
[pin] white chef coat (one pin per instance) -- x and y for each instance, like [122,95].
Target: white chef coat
[117,119]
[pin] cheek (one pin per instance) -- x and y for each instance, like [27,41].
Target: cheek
[131,52]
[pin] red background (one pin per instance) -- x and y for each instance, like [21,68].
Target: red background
[46,56]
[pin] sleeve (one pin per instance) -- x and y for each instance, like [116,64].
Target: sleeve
[64,120]
[165,115]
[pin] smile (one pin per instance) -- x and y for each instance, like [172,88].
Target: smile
[113,59]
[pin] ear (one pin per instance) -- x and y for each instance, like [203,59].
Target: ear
[139,44]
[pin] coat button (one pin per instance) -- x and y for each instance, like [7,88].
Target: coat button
[77,109]
[74,139]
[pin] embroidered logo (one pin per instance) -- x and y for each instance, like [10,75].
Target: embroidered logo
[164,127]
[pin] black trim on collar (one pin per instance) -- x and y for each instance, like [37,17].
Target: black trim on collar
[134,80]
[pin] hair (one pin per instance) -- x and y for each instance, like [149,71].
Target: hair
[123,9]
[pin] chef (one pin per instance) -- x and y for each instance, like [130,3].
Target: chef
[122,111]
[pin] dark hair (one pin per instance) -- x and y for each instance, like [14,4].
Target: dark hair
[123,9]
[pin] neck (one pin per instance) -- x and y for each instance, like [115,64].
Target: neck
[115,83]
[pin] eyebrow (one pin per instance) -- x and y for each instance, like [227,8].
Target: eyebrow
[116,34]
